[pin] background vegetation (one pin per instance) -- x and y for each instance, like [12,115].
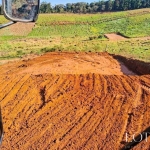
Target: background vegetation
[130,24]
[76,32]
[94,7]
[99,6]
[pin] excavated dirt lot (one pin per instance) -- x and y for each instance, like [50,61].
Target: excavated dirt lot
[73,101]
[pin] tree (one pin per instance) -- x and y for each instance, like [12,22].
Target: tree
[133,4]
[138,4]
[116,5]
[100,6]
[126,5]
[68,7]
[43,7]
[129,5]
[48,8]
[121,5]
[109,5]
[103,6]
[59,8]
[147,3]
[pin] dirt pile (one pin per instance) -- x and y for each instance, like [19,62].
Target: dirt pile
[69,63]
[43,109]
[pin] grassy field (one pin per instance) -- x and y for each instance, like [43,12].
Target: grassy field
[135,48]
[130,23]
[83,32]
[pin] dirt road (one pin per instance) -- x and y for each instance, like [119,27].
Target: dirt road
[19,29]
[72,101]
[117,37]
[114,37]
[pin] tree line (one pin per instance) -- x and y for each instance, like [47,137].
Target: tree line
[100,6]
[94,7]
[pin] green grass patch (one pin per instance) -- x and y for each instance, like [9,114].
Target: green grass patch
[82,32]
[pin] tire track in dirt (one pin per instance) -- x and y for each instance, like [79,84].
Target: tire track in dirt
[106,126]
[12,88]
[63,110]
[72,111]
[86,90]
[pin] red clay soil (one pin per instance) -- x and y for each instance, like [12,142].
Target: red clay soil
[69,63]
[114,36]
[19,28]
[138,66]
[72,101]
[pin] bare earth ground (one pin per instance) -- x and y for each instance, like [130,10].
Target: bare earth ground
[19,29]
[114,36]
[25,57]
[72,101]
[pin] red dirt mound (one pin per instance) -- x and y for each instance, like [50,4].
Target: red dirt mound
[69,63]
[66,109]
